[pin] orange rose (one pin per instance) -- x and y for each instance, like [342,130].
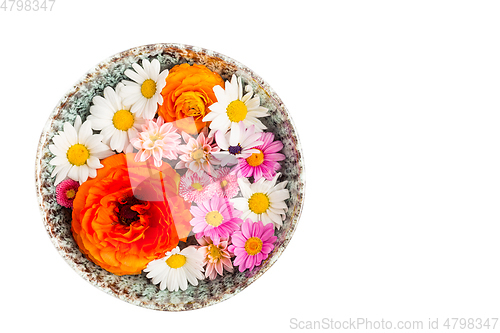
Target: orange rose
[188,93]
[129,214]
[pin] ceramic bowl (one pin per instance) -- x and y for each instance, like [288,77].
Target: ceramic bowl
[137,289]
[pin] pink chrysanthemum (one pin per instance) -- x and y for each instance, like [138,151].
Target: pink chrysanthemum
[215,218]
[66,192]
[196,188]
[157,139]
[265,162]
[252,244]
[216,257]
[196,154]
[226,183]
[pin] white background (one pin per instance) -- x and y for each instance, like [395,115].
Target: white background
[397,107]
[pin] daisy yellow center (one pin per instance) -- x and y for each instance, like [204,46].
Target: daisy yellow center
[70,194]
[214,218]
[253,245]
[123,120]
[197,154]
[258,203]
[78,154]
[223,183]
[214,252]
[236,111]
[256,159]
[176,261]
[148,88]
[197,186]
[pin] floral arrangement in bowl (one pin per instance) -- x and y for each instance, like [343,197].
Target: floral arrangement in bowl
[170,176]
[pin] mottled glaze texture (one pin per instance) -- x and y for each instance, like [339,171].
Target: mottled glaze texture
[138,289]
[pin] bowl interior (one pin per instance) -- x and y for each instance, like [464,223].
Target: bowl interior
[137,289]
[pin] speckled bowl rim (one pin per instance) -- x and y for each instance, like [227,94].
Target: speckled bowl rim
[188,50]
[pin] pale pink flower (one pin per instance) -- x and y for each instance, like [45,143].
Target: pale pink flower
[196,188]
[157,139]
[216,257]
[196,154]
[225,183]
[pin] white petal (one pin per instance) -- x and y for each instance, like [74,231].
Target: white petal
[73,173]
[98,123]
[57,151]
[253,103]
[83,173]
[115,141]
[93,162]
[265,219]
[61,143]
[103,106]
[154,69]
[235,134]
[62,173]
[113,98]
[70,134]
[220,138]
[150,110]
[103,153]
[94,141]
[245,187]
[93,172]
[139,70]
[161,81]
[85,132]
[278,196]
[240,204]
[58,160]
[220,94]
[259,126]
[221,122]
[78,123]
[138,107]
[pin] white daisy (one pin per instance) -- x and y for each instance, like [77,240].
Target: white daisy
[78,152]
[263,200]
[176,269]
[237,143]
[145,93]
[115,121]
[232,107]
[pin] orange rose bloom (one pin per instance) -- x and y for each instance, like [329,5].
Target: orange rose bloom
[129,214]
[189,93]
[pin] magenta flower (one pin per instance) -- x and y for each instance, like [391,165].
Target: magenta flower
[66,192]
[216,257]
[225,183]
[196,188]
[215,218]
[252,244]
[265,162]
